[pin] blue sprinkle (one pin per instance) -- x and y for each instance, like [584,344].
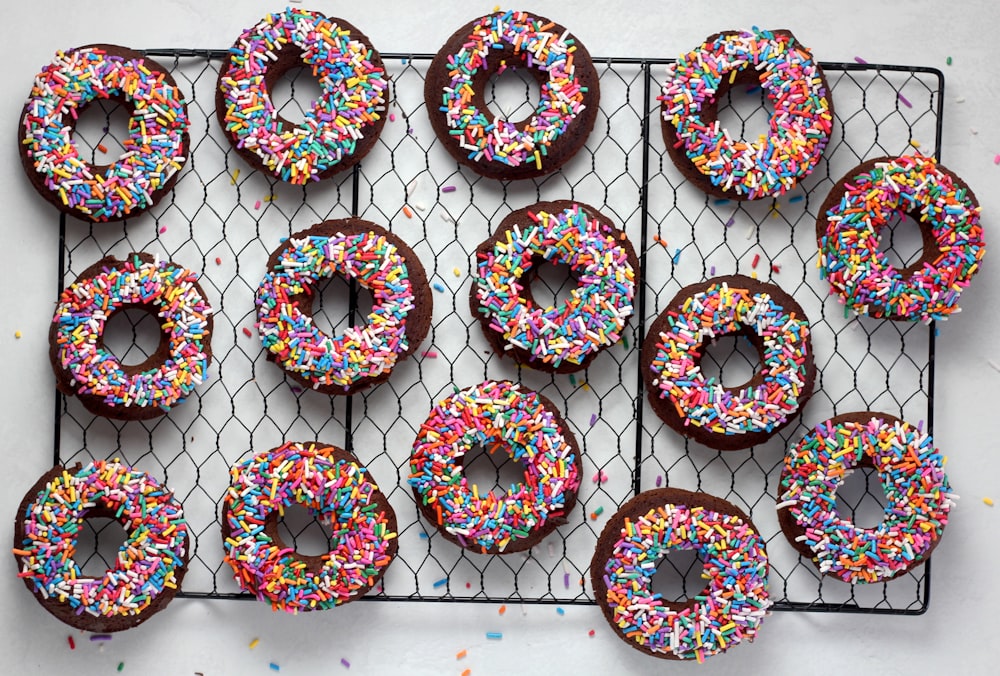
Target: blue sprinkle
[797,198]
[440,583]
[494,635]
[438,287]
[560,611]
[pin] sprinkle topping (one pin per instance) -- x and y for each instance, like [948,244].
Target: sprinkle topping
[729,609]
[362,352]
[147,562]
[799,128]
[538,44]
[918,496]
[334,487]
[598,308]
[770,398]
[354,93]
[862,274]
[497,416]
[162,287]
[155,149]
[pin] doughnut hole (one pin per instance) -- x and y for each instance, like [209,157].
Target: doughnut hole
[733,360]
[491,472]
[904,241]
[101,127]
[133,335]
[332,307]
[294,93]
[299,529]
[678,577]
[550,283]
[861,498]
[513,93]
[98,544]
[743,107]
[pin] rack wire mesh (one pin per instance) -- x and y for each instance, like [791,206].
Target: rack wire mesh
[223,219]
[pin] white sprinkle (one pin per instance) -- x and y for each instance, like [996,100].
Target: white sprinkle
[995,366]
[960,99]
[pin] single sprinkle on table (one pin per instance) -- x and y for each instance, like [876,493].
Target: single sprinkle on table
[407,212]
[732,219]
[593,419]
[659,480]
[996,159]
[948,61]
[101,637]
[960,99]
[720,202]
[438,287]
[256,205]
[591,633]
[756,259]
[235,177]
[677,256]
[915,143]
[440,583]
[572,380]
[502,609]
[461,654]
[625,341]
[121,665]
[253,643]
[392,117]
[494,635]
[430,354]
[247,332]
[163,229]
[711,272]
[466,672]
[860,60]
[457,272]
[343,660]
[448,188]
[596,513]
[796,198]
[103,148]
[72,643]
[775,269]
[988,501]
[566,580]
[903,100]
[218,261]
[274,666]
[560,611]
[17,335]
[993,365]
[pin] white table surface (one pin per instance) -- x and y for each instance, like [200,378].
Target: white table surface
[212,637]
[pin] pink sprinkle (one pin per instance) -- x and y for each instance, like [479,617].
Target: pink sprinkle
[593,419]
[246,332]
[392,117]
[860,60]
[343,660]
[430,354]
[448,188]
[256,205]
[903,100]
[600,477]
[163,229]
[996,159]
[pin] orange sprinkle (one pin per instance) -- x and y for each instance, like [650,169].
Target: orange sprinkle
[502,610]
[406,210]
[461,654]
[102,147]
[467,672]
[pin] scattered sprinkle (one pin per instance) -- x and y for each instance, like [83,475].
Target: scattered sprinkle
[502,609]
[591,633]
[17,334]
[447,188]
[100,637]
[392,117]
[456,272]
[729,223]
[625,341]
[560,611]
[659,480]
[903,100]
[596,513]
[973,131]
[756,260]
[218,261]
[466,672]
[440,583]
[247,332]
[996,159]
[600,476]
[494,635]
[438,287]
[948,61]
[411,186]
[593,419]
[256,205]
[103,148]
[236,175]
[988,501]
[677,256]
[121,665]
[860,60]
[72,643]
[274,667]
[461,654]
[407,212]
[343,660]
[424,536]
[711,271]
[796,198]
[960,99]
[776,268]
[993,365]
[163,229]
[566,580]
[430,354]
[572,380]
[253,643]
[720,202]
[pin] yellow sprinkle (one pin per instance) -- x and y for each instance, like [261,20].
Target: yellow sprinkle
[17,334]
[253,643]
[915,143]
[236,175]
[988,501]
[458,273]
[753,275]
[496,8]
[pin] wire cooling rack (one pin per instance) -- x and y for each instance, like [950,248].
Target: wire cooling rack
[223,219]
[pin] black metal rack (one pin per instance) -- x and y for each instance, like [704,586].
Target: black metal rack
[223,219]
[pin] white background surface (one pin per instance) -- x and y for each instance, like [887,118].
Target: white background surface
[212,637]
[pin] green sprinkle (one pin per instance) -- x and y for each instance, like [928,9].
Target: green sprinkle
[121,665]
[948,61]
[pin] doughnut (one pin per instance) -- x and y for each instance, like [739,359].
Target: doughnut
[646,529]
[851,223]
[798,130]
[459,76]
[338,130]
[497,415]
[363,355]
[567,337]
[911,470]
[729,418]
[86,368]
[150,564]
[331,483]
[155,150]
